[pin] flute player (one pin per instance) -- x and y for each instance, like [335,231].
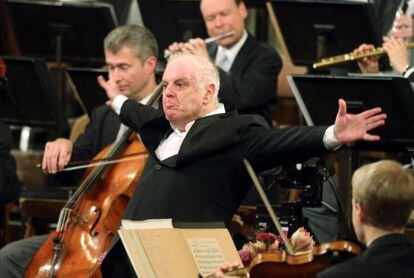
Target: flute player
[248,69]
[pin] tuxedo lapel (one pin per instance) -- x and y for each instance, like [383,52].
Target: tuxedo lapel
[212,51]
[243,57]
[198,142]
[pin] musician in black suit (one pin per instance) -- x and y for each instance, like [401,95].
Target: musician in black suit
[9,183]
[248,68]
[131,57]
[194,171]
[383,194]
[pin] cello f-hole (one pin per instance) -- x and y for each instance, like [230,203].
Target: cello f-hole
[92,232]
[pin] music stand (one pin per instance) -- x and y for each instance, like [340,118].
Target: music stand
[28,97]
[315,29]
[86,87]
[74,30]
[183,20]
[317,97]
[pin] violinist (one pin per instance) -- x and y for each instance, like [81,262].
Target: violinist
[194,171]
[131,57]
[248,69]
[383,199]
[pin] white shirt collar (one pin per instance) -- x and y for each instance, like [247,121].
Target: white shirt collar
[146,99]
[232,52]
[220,110]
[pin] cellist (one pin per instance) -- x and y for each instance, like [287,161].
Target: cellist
[194,171]
[382,201]
[131,57]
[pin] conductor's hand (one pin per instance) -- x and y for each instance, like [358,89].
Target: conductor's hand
[350,128]
[110,88]
[367,64]
[57,155]
[397,53]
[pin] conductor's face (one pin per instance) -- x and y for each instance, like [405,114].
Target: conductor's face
[222,16]
[184,96]
[128,72]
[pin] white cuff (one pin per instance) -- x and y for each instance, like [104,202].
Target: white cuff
[408,72]
[329,140]
[118,102]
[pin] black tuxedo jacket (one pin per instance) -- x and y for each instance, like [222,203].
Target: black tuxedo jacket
[389,256]
[250,86]
[9,184]
[100,132]
[206,180]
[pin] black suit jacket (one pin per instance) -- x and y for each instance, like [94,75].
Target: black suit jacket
[100,132]
[251,83]
[206,181]
[9,184]
[389,256]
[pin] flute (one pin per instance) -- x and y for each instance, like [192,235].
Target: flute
[208,40]
[335,60]
[219,37]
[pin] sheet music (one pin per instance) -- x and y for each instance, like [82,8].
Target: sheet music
[146,224]
[206,253]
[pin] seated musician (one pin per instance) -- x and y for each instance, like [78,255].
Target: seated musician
[383,198]
[248,69]
[130,55]
[194,172]
[9,183]
[401,30]
[397,53]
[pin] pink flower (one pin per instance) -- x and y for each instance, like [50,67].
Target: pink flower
[245,256]
[267,238]
[302,240]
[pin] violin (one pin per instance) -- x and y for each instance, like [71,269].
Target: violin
[91,217]
[288,263]
[304,265]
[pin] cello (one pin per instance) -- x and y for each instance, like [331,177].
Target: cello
[90,218]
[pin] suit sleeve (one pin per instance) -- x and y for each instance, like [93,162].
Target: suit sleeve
[254,85]
[135,115]
[10,187]
[266,148]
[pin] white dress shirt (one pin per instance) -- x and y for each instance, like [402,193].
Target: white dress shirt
[229,54]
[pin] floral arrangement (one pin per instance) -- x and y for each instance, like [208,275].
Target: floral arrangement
[301,241]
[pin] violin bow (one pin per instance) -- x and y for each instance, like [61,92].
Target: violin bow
[257,184]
